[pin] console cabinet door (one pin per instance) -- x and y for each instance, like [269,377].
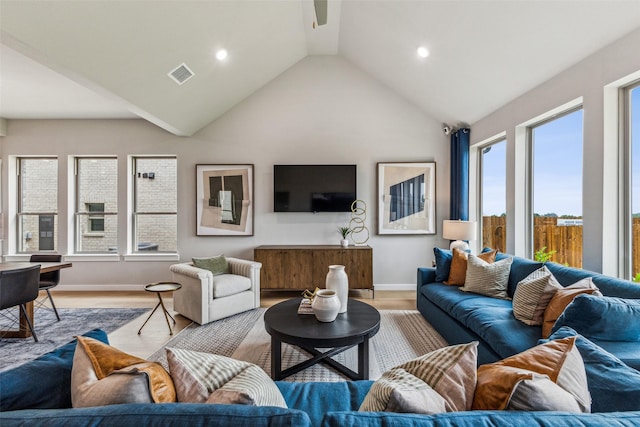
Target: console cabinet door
[357,265]
[284,269]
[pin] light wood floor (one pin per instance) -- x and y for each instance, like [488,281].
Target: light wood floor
[156,333]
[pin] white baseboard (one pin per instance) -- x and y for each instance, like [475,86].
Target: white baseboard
[100,288]
[138,287]
[394,287]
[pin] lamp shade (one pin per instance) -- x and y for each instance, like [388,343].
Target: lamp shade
[458,230]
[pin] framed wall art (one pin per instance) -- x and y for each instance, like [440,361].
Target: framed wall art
[406,198]
[224,200]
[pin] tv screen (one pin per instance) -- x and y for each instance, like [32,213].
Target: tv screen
[313,188]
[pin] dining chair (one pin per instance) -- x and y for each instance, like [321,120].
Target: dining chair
[48,280]
[18,287]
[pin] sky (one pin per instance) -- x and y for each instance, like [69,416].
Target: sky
[557,166]
[635,150]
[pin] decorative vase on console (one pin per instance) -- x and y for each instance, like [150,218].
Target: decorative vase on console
[338,281]
[325,305]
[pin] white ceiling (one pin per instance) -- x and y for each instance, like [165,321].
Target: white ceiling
[92,59]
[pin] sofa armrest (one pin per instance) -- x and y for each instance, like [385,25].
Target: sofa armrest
[189,270]
[192,300]
[425,275]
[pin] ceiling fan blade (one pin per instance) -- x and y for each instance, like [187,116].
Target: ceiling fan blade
[321,11]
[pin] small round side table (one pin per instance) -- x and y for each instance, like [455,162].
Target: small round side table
[159,288]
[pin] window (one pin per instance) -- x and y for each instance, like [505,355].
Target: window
[96,221]
[37,212]
[155,204]
[493,194]
[556,156]
[96,225]
[632,122]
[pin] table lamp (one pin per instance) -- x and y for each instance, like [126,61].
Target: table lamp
[459,231]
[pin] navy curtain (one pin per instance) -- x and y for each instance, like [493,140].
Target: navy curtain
[459,201]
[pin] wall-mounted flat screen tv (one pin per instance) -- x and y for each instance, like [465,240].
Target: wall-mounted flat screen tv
[313,188]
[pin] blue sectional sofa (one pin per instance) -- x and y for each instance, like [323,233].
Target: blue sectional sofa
[462,317]
[38,394]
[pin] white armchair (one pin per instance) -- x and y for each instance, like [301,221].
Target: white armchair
[204,297]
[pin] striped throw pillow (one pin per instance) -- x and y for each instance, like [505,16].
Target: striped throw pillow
[450,372]
[487,279]
[532,296]
[197,376]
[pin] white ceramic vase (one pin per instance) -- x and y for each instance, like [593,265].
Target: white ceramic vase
[344,243]
[326,305]
[338,281]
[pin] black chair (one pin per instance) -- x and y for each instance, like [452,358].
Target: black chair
[48,280]
[18,287]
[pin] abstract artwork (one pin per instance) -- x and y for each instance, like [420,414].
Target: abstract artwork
[406,198]
[224,200]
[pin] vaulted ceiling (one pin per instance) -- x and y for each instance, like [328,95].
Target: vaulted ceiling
[80,59]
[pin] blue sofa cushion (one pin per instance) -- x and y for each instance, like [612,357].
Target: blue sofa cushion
[318,398]
[520,269]
[602,318]
[160,415]
[614,287]
[51,372]
[567,275]
[627,352]
[480,419]
[613,385]
[490,318]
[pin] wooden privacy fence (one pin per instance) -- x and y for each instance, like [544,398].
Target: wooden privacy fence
[566,240]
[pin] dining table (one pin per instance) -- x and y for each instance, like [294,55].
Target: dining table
[23,330]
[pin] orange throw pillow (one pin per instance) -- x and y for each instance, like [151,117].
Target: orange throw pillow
[561,299]
[458,271]
[103,375]
[558,360]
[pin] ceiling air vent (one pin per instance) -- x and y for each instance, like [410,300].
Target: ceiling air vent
[181,74]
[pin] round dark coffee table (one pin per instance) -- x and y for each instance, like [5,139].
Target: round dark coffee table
[355,327]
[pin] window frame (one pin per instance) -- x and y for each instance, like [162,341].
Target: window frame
[132,244]
[627,170]
[479,190]
[79,214]
[530,161]
[19,205]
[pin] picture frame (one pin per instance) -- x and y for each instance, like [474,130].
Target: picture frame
[406,195]
[224,200]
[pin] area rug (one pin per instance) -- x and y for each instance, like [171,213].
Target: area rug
[52,334]
[403,335]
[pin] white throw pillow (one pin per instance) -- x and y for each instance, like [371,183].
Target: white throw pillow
[449,372]
[200,377]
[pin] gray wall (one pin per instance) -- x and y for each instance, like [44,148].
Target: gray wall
[615,64]
[322,110]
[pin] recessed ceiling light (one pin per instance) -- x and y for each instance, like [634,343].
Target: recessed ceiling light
[423,52]
[221,54]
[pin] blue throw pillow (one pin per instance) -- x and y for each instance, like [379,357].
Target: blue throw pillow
[613,385]
[43,383]
[443,263]
[602,318]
